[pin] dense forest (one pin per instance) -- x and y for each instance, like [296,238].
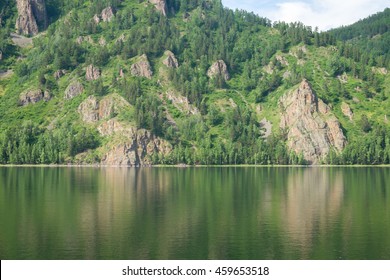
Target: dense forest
[203,118]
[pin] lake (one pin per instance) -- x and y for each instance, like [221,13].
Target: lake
[195,213]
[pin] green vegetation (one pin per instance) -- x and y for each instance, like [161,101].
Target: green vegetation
[222,126]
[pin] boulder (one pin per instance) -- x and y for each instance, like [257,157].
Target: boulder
[33,96]
[312,130]
[218,68]
[161,6]
[170,60]
[142,68]
[92,73]
[74,89]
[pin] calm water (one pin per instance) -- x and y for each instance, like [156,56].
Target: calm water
[194,213]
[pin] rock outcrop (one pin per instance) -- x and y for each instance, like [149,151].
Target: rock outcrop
[142,68]
[161,6]
[102,41]
[312,129]
[82,39]
[107,14]
[91,110]
[218,68]
[136,147]
[33,96]
[59,73]
[182,103]
[31,15]
[74,89]
[96,19]
[170,60]
[347,111]
[92,73]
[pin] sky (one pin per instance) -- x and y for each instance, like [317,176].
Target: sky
[324,14]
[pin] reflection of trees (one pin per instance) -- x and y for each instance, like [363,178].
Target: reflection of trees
[196,213]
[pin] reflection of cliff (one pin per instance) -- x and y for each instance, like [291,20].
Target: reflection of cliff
[196,213]
[311,205]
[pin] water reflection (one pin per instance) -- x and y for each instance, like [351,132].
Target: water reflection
[194,213]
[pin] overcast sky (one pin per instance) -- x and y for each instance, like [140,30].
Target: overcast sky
[325,14]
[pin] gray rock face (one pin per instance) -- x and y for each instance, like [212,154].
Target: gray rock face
[33,96]
[40,13]
[92,73]
[74,89]
[161,6]
[91,110]
[137,148]
[347,111]
[311,127]
[218,68]
[142,68]
[31,14]
[107,14]
[170,60]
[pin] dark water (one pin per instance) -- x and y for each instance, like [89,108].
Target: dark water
[194,213]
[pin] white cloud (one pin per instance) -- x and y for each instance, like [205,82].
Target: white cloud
[325,14]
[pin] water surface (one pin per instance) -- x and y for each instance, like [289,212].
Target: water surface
[194,213]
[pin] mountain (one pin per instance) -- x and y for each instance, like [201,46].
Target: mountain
[370,36]
[185,82]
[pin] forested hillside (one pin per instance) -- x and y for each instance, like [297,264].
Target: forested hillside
[370,36]
[187,82]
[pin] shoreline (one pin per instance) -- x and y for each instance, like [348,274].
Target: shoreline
[191,166]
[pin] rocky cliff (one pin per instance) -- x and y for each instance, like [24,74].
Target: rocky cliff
[74,89]
[92,73]
[136,147]
[33,96]
[142,68]
[312,129]
[161,6]
[126,145]
[32,15]
[170,60]
[218,68]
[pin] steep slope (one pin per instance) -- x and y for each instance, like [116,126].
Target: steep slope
[129,83]
[370,36]
[311,127]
